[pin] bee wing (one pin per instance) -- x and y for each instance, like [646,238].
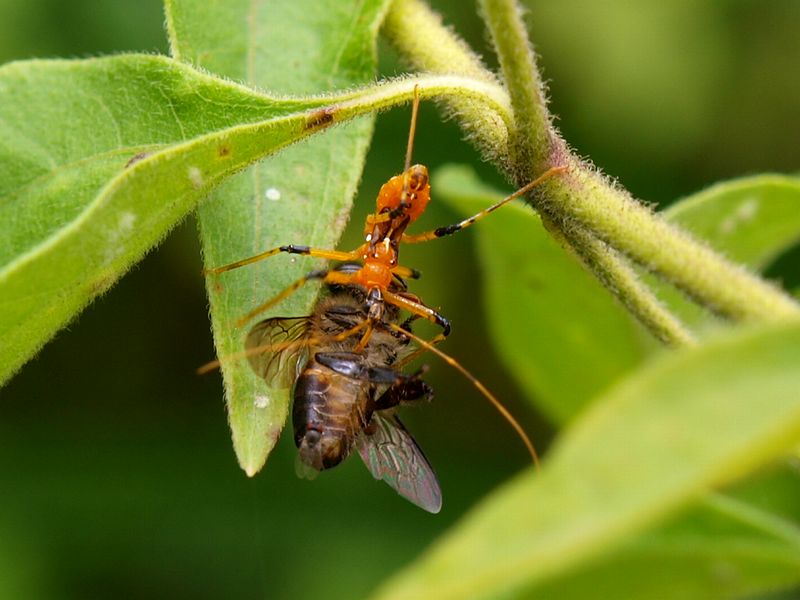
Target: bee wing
[391,454]
[278,349]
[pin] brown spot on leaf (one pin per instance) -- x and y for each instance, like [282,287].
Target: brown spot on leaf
[137,158]
[224,151]
[320,118]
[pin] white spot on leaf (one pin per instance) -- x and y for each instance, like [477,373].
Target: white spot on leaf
[116,236]
[744,213]
[126,221]
[748,209]
[261,401]
[273,194]
[196,177]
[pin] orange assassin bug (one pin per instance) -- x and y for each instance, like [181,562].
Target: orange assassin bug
[400,201]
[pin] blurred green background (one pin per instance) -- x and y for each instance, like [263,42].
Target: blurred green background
[118,474]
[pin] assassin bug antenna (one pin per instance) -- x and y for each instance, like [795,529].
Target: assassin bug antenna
[410,146]
[477,383]
[412,129]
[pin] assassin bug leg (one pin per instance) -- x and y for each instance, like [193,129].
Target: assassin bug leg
[419,309]
[406,272]
[261,349]
[451,229]
[326,275]
[290,249]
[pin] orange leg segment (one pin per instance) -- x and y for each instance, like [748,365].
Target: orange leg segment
[420,351]
[417,308]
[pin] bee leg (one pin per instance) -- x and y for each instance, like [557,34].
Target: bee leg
[410,389]
[345,316]
[402,387]
[419,351]
[407,323]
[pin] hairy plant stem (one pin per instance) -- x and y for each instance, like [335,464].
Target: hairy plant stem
[583,204]
[587,197]
[449,54]
[408,23]
[617,276]
[534,137]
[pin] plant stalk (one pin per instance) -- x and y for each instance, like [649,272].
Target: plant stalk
[623,282]
[583,201]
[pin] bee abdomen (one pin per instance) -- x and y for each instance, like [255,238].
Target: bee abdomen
[327,415]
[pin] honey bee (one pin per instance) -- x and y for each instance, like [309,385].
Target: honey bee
[345,395]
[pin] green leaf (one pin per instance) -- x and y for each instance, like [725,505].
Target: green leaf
[751,220]
[690,421]
[89,183]
[301,197]
[726,546]
[722,548]
[77,209]
[563,335]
